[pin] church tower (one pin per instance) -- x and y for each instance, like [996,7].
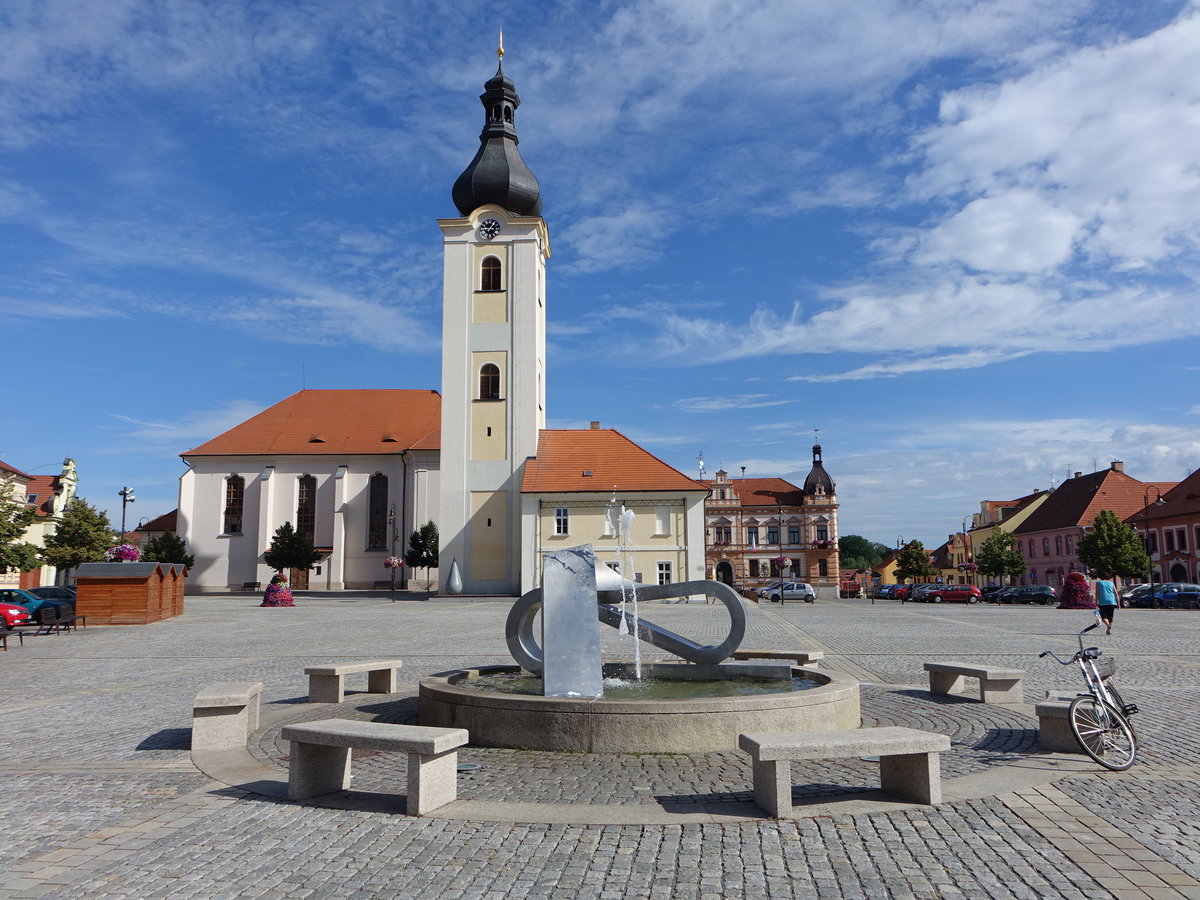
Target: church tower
[493,351]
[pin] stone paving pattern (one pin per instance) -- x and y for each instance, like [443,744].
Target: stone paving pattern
[103,801]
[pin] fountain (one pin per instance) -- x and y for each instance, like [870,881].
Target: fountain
[702,703]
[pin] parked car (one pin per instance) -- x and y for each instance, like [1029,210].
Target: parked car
[55,592]
[920,593]
[882,591]
[1131,595]
[1177,595]
[14,615]
[899,591]
[791,590]
[955,593]
[31,603]
[1036,593]
[989,592]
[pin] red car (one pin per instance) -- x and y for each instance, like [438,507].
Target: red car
[955,593]
[14,615]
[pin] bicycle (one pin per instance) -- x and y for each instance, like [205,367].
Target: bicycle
[1100,718]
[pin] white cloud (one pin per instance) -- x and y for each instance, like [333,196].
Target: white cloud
[173,436]
[722,404]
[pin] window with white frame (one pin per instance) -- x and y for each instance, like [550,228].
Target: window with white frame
[562,520]
[664,573]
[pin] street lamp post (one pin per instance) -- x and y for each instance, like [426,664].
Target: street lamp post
[1159,501]
[967,547]
[392,525]
[126,495]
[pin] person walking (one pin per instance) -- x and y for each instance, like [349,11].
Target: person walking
[1106,600]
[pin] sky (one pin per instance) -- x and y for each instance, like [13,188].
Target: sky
[961,239]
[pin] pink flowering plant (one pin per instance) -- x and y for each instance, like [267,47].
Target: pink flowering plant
[122,553]
[393,562]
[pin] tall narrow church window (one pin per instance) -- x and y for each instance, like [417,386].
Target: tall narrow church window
[235,496]
[490,275]
[562,520]
[489,382]
[306,506]
[377,509]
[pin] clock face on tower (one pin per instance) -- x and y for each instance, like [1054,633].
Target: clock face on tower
[488,229]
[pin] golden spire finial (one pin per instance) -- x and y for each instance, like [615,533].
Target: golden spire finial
[500,49]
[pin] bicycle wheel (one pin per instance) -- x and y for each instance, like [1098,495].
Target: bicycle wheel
[1120,704]
[1103,733]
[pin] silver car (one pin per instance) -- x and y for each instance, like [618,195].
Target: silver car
[791,590]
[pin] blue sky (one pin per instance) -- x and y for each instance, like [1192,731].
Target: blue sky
[960,238]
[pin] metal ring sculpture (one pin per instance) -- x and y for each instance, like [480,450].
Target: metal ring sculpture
[518,629]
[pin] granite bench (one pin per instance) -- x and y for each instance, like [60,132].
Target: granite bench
[225,714]
[319,758]
[327,684]
[909,764]
[807,658]
[996,685]
[1054,723]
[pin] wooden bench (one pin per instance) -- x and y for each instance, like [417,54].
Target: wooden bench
[251,585]
[1054,723]
[327,684]
[4,634]
[319,758]
[807,658]
[225,714]
[996,685]
[909,765]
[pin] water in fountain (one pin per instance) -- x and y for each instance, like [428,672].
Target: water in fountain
[621,523]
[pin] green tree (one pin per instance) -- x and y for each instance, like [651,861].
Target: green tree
[422,550]
[1112,546]
[290,549]
[997,557]
[82,536]
[15,518]
[913,562]
[856,552]
[167,547]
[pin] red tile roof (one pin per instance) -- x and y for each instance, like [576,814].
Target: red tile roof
[337,422]
[165,522]
[763,491]
[46,488]
[5,467]
[1182,500]
[611,460]
[1077,501]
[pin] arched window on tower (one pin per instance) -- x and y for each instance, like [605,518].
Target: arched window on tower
[306,506]
[490,275]
[377,512]
[489,382]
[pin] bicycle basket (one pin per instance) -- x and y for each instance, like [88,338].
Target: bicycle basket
[1106,666]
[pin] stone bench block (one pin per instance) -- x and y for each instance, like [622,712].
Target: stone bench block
[909,764]
[319,759]
[327,684]
[225,714]
[996,685]
[1054,723]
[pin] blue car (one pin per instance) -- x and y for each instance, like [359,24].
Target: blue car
[1175,595]
[31,602]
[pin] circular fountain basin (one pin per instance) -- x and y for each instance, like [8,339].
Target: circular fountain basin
[692,724]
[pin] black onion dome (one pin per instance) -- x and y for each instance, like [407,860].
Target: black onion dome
[818,477]
[497,174]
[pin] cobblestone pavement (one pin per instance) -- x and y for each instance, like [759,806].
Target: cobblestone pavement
[102,799]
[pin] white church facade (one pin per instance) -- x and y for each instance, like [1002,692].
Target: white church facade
[358,471]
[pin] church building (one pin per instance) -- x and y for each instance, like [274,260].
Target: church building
[359,470]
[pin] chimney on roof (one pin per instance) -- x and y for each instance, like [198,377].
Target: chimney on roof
[1118,466]
[595,426]
[1077,474]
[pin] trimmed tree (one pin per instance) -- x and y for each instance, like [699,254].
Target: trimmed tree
[997,557]
[913,562]
[1114,547]
[15,518]
[167,548]
[423,547]
[290,549]
[82,536]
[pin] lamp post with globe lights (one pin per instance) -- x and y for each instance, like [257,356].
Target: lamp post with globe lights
[126,495]
[1159,501]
